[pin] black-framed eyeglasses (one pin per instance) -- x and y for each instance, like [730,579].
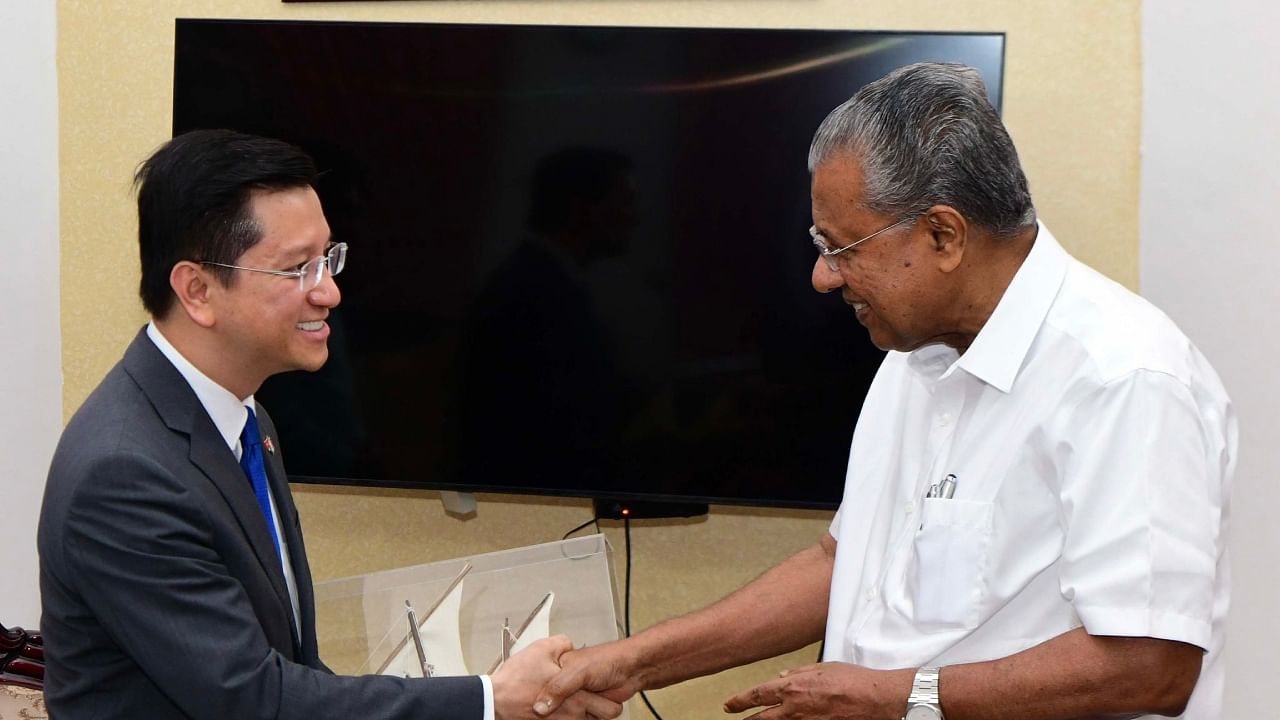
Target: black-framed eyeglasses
[829,253]
[310,273]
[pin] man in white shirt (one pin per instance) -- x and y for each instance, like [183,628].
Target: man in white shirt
[173,575]
[1035,507]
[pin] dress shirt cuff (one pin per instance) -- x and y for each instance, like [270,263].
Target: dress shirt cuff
[488,696]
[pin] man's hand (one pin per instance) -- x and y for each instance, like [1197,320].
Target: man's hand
[828,690]
[523,676]
[606,669]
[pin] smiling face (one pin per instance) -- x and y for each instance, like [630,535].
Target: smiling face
[898,283]
[265,324]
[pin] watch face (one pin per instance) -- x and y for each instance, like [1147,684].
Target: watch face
[922,712]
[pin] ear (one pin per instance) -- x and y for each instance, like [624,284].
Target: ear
[191,286]
[949,232]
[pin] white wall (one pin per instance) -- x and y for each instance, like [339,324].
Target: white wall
[30,357]
[1210,256]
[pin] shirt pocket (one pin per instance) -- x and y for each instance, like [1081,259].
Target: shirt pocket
[946,580]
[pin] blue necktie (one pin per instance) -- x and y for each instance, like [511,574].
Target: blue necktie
[251,462]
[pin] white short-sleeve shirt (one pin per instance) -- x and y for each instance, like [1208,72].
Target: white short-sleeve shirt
[1092,447]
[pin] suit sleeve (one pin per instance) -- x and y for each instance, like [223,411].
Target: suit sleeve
[143,553]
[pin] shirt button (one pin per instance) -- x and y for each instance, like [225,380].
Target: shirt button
[944,419]
[910,506]
[871,593]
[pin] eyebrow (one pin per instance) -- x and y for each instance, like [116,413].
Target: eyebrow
[303,250]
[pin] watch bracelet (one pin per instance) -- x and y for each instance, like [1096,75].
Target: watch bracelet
[924,689]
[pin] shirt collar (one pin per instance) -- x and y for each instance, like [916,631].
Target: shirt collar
[226,410]
[1001,346]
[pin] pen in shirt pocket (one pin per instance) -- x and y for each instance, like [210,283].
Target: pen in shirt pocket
[944,490]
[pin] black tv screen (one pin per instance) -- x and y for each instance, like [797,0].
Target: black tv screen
[579,261]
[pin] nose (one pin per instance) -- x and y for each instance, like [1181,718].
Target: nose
[825,279]
[326,294]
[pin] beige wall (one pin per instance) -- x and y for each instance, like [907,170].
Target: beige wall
[1072,101]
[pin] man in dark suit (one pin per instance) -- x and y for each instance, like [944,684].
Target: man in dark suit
[174,579]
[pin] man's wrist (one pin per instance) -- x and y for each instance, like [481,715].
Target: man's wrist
[635,665]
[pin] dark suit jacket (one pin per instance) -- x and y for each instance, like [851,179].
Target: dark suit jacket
[161,592]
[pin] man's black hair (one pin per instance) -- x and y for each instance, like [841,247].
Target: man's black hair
[194,202]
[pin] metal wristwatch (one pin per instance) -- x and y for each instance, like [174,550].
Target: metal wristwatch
[923,702]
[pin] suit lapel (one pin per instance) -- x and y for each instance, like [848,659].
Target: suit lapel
[182,412]
[211,455]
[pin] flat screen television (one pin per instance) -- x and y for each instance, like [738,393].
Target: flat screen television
[578,259]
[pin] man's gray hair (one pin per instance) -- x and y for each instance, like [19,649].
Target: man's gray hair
[927,135]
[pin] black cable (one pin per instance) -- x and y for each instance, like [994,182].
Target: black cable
[626,612]
[592,520]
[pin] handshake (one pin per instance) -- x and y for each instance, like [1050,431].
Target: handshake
[549,680]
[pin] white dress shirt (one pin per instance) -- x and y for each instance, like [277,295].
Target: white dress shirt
[1093,448]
